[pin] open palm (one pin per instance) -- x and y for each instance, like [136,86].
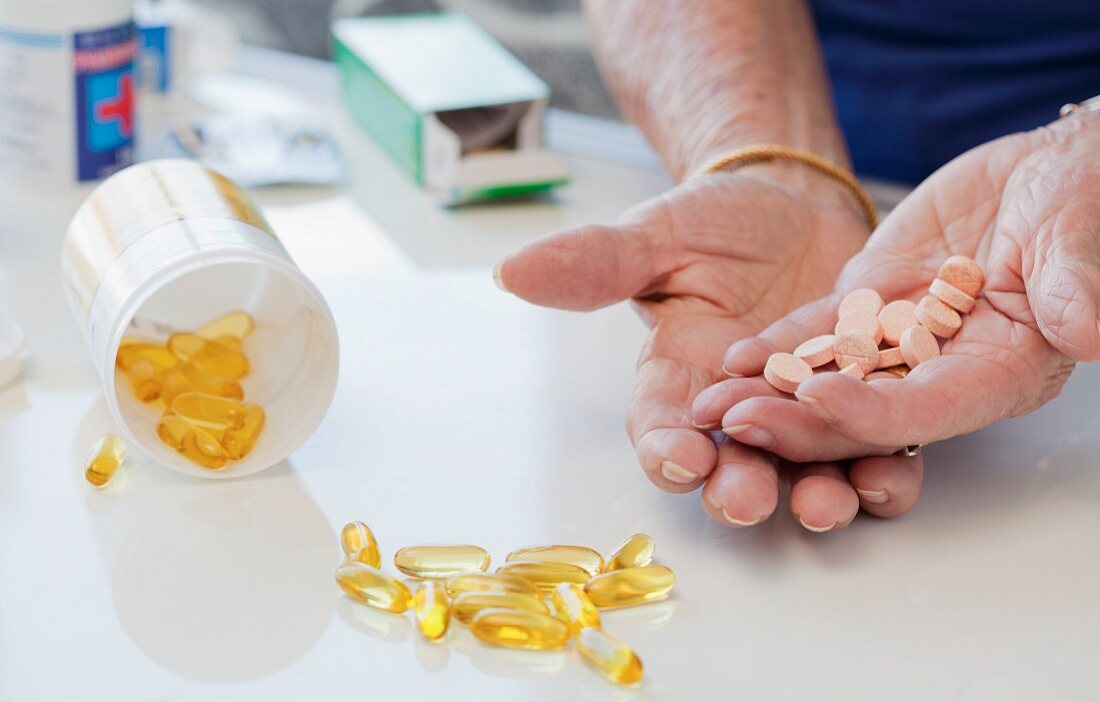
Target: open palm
[1027,208]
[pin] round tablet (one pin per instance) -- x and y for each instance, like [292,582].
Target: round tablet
[918,345]
[888,358]
[785,371]
[816,351]
[862,300]
[896,317]
[862,322]
[856,348]
[853,370]
[964,273]
[951,296]
[937,317]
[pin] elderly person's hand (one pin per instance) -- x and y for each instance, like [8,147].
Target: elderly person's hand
[1027,208]
[717,258]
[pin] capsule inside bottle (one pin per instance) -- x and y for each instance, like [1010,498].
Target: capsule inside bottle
[466,606]
[144,379]
[359,544]
[210,411]
[635,552]
[580,556]
[519,629]
[239,442]
[236,325]
[371,586]
[630,586]
[574,608]
[208,355]
[195,443]
[440,561]
[608,656]
[432,610]
[545,575]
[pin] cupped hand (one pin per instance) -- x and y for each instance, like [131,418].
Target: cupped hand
[713,260]
[1027,208]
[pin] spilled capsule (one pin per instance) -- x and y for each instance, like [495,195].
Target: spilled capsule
[635,552]
[431,610]
[574,608]
[104,459]
[440,561]
[609,657]
[371,586]
[580,556]
[488,582]
[466,606]
[520,629]
[545,575]
[359,544]
[630,586]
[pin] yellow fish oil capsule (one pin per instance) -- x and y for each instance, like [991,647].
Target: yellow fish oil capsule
[104,459]
[466,606]
[440,561]
[359,544]
[519,629]
[144,379]
[635,552]
[574,608]
[544,574]
[488,582]
[236,325]
[630,586]
[208,355]
[198,380]
[210,411]
[431,609]
[609,657]
[581,556]
[239,442]
[130,351]
[371,586]
[195,443]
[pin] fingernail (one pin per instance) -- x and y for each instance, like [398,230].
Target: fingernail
[816,529]
[731,373]
[676,473]
[814,405]
[875,497]
[704,427]
[738,522]
[750,434]
[498,277]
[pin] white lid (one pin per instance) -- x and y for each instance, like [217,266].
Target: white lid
[13,352]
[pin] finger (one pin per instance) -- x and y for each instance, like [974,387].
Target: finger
[712,403]
[887,485]
[748,356]
[586,267]
[743,490]
[822,499]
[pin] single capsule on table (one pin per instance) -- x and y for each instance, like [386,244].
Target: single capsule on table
[104,459]
[236,325]
[488,582]
[440,561]
[574,608]
[520,629]
[371,586]
[545,575]
[580,556]
[635,552]
[195,443]
[466,606]
[144,379]
[431,609]
[359,544]
[208,355]
[610,657]
[630,586]
[210,411]
[239,442]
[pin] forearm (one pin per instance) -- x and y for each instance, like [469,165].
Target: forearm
[703,76]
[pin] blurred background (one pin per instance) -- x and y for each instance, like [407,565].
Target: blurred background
[550,36]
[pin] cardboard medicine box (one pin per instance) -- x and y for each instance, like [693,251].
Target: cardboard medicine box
[452,107]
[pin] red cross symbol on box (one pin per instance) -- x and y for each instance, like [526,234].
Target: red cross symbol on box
[121,108]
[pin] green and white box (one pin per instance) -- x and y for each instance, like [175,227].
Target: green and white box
[450,105]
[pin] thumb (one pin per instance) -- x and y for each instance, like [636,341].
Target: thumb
[1064,286]
[584,267]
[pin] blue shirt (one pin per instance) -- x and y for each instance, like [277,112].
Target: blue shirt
[917,82]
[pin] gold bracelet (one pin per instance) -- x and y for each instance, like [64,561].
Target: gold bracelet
[763,153]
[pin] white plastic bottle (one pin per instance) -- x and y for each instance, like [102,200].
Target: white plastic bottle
[67,91]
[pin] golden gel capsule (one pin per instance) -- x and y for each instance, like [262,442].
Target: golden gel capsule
[581,556]
[230,341]
[130,351]
[144,379]
[239,442]
[431,609]
[235,324]
[371,586]
[545,575]
[488,582]
[440,561]
[208,355]
[210,411]
[630,586]
[104,459]
[635,552]
[520,629]
[574,608]
[199,380]
[466,606]
[359,544]
[610,657]
[195,443]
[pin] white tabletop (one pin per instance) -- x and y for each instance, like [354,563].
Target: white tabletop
[465,415]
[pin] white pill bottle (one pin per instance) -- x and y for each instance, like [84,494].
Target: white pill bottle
[67,91]
[170,245]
